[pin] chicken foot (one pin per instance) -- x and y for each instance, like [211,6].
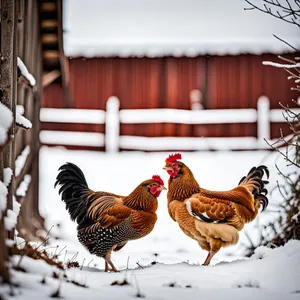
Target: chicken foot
[109,266]
[208,258]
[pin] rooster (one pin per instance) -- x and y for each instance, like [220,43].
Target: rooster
[213,218]
[106,222]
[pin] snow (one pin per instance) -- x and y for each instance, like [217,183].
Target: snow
[16,206]
[10,220]
[257,278]
[112,124]
[177,273]
[23,187]
[22,121]
[51,137]
[7,176]
[184,116]
[6,119]
[278,65]
[70,115]
[214,170]
[21,160]
[188,143]
[25,72]
[113,117]
[156,28]
[20,109]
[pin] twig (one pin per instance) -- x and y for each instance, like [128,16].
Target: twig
[286,158]
[90,263]
[282,40]
[82,264]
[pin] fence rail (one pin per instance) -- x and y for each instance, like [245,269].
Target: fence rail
[113,118]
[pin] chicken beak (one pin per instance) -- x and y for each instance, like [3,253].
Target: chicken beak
[162,188]
[168,168]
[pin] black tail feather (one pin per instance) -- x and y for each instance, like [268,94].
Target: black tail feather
[73,190]
[255,176]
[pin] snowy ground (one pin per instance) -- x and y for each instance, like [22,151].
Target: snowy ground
[179,258]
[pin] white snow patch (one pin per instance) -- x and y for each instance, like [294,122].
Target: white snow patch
[10,220]
[189,143]
[25,72]
[20,109]
[213,170]
[20,242]
[70,115]
[7,176]
[185,116]
[22,121]
[171,28]
[9,243]
[52,137]
[21,159]
[23,187]
[231,275]
[236,280]
[16,206]
[279,65]
[6,119]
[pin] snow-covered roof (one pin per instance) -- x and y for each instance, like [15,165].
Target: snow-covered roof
[101,28]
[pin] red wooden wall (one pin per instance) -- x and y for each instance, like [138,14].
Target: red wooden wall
[225,81]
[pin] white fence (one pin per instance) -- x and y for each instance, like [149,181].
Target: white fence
[113,117]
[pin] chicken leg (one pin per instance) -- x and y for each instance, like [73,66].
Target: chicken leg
[109,266]
[208,258]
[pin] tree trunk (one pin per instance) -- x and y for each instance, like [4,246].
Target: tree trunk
[4,272]
[8,89]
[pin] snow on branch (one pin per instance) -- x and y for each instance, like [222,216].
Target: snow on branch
[20,109]
[278,65]
[6,119]
[25,73]
[23,122]
[21,159]
[291,66]
[23,187]
[10,220]
[7,176]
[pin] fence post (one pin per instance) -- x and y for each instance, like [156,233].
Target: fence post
[263,121]
[112,125]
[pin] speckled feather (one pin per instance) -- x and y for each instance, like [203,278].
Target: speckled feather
[106,221]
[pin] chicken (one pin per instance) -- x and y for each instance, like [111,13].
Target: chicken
[213,218]
[106,222]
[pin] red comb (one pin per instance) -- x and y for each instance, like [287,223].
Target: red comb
[158,179]
[173,157]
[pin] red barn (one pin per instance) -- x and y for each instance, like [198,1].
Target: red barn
[171,54]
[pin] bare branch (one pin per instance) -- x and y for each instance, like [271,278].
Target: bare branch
[280,39]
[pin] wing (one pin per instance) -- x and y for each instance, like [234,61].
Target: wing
[209,210]
[108,211]
[239,195]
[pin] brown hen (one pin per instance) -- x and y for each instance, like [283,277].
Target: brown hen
[106,222]
[213,218]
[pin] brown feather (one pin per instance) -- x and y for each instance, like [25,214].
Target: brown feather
[199,211]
